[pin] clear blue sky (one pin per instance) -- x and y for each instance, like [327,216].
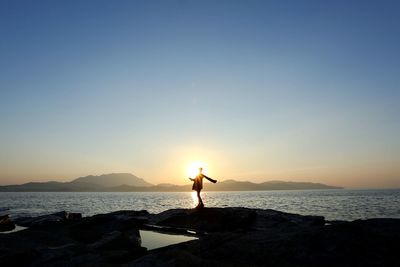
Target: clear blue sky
[258,90]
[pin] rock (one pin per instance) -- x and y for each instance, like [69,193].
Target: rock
[6,224]
[108,241]
[230,219]
[92,229]
[66,239]
[267,219]
[122,256]
[171,258]
[117,247]
[114,220]
[46,220]
[207,219]
[276,238]
[116,241]
[131,216]
[74,216]
[231,237]
[21,257]
[86,236]
[43,220]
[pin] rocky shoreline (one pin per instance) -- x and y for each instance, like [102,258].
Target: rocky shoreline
[226,237]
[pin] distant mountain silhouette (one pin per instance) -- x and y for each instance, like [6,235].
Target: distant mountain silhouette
[113,180]
[126,182]
[166,185]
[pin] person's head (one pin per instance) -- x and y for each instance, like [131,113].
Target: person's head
[200,169]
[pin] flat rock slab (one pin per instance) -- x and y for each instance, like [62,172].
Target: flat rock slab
[207,219]
[231,219]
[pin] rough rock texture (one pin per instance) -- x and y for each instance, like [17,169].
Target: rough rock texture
[207,220]
[49,219]
[227,237]
[6,224]
[253,237]
[57,240]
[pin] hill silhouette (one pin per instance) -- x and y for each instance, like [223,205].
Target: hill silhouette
[112,180]
[126,182]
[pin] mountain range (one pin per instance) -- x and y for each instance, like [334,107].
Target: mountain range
[126,182]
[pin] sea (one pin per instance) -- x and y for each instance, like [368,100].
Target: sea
[339,204]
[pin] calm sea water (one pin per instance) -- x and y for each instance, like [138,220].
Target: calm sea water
[333,204]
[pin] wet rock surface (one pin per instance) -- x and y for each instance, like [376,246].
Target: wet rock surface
[227,237]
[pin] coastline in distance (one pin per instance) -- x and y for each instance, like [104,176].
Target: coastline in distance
[126,182]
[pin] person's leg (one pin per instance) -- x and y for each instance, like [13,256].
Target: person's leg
[200,200]
[199,197]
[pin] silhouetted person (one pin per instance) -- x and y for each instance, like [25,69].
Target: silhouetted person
[198,185]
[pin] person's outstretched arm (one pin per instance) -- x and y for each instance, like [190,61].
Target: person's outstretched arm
[191,179]
[210,179]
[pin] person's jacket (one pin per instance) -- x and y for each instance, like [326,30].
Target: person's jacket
[198,181]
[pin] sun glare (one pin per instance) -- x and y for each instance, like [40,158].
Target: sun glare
[193,168]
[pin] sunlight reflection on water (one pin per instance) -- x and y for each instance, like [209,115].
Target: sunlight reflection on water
[333,204]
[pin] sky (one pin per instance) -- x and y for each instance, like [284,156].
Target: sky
[254,90]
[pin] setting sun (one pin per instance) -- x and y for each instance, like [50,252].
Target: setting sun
[193,168]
